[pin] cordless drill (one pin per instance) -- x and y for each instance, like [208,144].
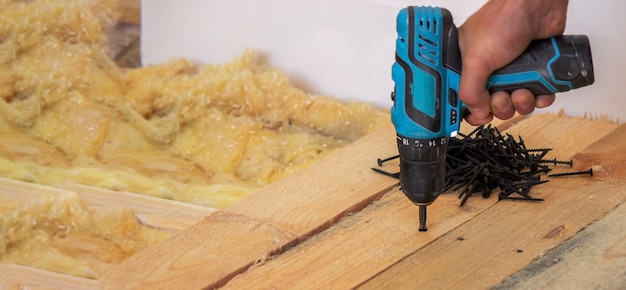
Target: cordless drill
[427,110]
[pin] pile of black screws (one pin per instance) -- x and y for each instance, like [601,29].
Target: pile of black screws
[486,160]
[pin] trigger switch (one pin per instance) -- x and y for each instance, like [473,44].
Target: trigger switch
[452,97]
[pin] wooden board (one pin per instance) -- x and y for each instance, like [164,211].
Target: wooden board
[377,238]
[602,245]
[20,277]
[163,215]
[509,236]
[339,224]
[268,222]
[157,213]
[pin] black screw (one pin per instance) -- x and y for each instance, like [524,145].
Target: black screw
[541,152]
[555,162]
[590,172]
[461,169]
[515,198]
[387,173]
[528,183]
[381,161]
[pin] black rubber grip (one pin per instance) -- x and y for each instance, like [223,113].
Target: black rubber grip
[552,65]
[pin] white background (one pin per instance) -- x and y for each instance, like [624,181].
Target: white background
[345,48]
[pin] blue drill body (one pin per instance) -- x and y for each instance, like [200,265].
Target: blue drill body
[426,73]
[425,88]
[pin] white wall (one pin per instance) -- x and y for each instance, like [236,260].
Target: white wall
[345,48]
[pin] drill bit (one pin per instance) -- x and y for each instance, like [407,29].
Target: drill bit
[422,218]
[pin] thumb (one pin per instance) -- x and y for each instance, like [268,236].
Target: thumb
[472,88]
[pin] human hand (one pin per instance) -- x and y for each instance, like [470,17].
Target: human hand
[494,36]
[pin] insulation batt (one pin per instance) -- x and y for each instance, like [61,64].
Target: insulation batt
[208,135]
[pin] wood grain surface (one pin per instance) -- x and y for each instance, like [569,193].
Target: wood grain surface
[157,213]
[375,239]
[267,223]
[16,277]
[163,215]
[338,225]
[509,236]
[594,258]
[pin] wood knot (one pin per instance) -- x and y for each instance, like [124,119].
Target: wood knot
[556,232]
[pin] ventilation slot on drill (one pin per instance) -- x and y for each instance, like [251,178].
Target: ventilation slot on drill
[427,49]
[429,25]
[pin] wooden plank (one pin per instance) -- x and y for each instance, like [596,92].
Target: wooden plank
[374,239]
[162,214]
[595,258]
[508,236]
[20,277]
[287,212]
[602,244]
[276,217]
[360,246]
[157,213]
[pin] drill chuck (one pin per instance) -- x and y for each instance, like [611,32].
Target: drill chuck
[422,168]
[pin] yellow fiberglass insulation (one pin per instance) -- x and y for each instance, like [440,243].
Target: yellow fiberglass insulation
[208,135]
